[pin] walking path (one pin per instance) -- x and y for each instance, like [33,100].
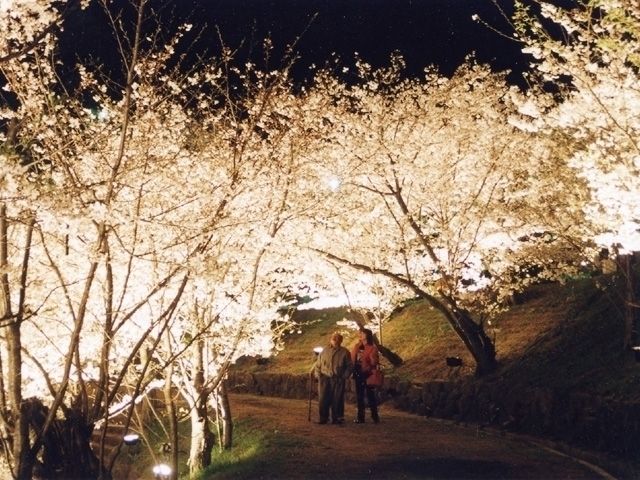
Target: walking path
[402,446]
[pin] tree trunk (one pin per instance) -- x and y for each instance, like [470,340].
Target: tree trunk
[628,266]
[67,449]
[23,459]
[225,414]
[471,333]
[173,432]
[202,439]
[476,341]
[170,405]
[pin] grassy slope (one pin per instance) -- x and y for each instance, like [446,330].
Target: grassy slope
[561,336]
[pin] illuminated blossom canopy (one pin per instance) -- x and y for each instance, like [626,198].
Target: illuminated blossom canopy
[154,224]
[597,119]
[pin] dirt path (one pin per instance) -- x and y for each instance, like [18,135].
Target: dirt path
[402,446]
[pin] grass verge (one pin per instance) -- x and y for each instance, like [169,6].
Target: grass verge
[256,448]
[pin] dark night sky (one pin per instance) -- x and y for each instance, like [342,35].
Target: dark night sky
[426,32]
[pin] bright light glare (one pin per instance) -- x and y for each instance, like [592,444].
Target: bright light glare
[317,350]
[334,183]
[627,235]
[131,438]
[324,302]
[162,469]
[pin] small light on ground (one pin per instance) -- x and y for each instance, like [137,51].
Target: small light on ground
[162,471]
[131,438]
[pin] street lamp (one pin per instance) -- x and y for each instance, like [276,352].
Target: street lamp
[316,352]
[131,439]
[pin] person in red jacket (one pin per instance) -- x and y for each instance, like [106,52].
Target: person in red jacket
[365,358]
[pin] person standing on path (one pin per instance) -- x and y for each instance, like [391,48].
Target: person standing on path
[332,369]
[365,358]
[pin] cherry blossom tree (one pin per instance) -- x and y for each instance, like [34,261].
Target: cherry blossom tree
[593,66]
[106,212]
[27,37]
[150,233]
[233,301]
[176,181]
[27,25]
[596,118]
[425,182]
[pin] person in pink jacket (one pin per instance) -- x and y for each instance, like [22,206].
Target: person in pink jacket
[365,358]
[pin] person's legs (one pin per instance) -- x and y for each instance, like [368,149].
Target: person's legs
[373,403]
[337,404]
[324,398]
[360,387]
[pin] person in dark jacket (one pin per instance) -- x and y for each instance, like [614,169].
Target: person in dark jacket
[365,358]
[332,369]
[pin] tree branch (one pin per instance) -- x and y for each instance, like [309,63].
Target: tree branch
[28,46]
[420,293]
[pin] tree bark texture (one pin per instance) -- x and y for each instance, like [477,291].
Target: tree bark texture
[629,268]
[66,448]
[202,439]
[23,459]
[225,415]
[476,340]
[172,416]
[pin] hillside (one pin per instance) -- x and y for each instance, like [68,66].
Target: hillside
[567,337]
